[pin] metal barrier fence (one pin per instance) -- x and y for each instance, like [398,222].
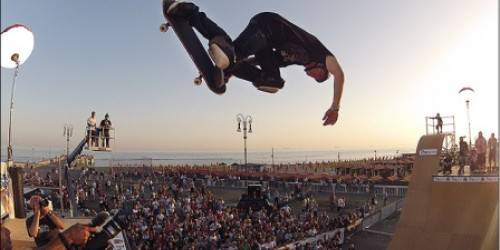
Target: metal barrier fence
[382,213]
[379,190]
[392,191]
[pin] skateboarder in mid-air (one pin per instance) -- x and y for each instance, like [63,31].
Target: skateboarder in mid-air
[268,43]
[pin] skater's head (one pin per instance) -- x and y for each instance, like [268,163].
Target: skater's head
[317,71]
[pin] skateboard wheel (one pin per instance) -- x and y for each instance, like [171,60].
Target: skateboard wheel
[197,81]
[164,27]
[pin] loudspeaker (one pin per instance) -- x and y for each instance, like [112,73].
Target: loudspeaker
[254,191]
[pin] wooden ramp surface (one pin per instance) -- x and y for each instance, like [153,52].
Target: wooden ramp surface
[445,215]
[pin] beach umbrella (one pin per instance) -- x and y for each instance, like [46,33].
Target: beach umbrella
[17,44]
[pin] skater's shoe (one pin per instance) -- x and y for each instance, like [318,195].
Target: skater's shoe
[269,84]
[178,8]
[221,50]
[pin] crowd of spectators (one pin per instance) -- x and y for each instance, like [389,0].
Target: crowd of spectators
[473,156]
[172,209]
[182,214]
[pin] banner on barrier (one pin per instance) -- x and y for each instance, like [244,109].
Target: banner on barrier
[323,236]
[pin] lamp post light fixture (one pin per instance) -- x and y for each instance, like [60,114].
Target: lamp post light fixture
[246,122]
[68,133]
[17,44]
[467,93]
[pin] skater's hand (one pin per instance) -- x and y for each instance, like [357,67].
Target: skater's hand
[330,117]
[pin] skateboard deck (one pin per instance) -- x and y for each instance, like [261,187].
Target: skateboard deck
[196,51]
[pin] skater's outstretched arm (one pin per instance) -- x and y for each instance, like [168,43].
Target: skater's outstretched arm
[332,114]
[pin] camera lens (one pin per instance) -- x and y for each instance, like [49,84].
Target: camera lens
[44,202]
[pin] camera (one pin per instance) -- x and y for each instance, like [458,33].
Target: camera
[44,202]
[109,230]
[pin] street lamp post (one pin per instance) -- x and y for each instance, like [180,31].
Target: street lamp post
[467,105]
[272,157]
[17,45]
[467,92]
[247,126]
[68,133]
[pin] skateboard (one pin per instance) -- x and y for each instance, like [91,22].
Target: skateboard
[206,67]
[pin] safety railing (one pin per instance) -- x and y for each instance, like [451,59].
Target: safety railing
[100,139]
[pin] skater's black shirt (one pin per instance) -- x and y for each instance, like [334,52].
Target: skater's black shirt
[293,44]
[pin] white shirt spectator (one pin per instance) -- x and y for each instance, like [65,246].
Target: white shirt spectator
[341,203]
[91,122]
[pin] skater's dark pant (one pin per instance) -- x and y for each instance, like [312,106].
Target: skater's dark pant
[252,41]
[199,20]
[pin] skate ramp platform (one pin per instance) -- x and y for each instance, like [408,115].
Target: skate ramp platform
[445,215]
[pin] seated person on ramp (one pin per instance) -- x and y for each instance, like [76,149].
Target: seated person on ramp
[269,42]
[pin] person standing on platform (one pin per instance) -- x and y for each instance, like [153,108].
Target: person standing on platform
[480,145]
[439,125]
[462,155]
[492,151]
[92,130]
[105,127]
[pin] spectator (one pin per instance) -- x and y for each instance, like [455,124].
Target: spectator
[386,197]
[492,151]
[480,145]
[447,163]
[473,159]
[340,204]
[43,225]
[92,129]
[462,155]
[105,127]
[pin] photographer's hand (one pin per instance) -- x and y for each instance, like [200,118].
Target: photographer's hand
[35,204]
[77,234]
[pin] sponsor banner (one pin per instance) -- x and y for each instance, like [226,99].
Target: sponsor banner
[118,242]
[428,152]
[323,236]
[465,178]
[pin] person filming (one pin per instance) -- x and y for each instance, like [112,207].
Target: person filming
[44,224]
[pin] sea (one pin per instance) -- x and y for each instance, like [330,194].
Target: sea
[281,156]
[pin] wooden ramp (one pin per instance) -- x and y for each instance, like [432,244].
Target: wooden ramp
[445,215]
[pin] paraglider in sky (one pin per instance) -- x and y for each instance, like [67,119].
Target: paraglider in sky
[466,89]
